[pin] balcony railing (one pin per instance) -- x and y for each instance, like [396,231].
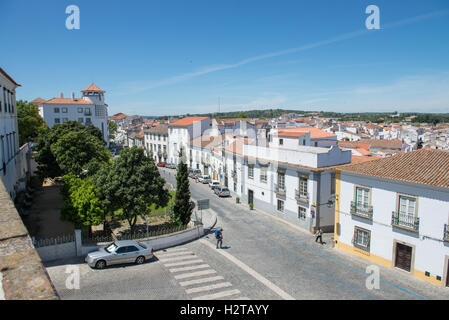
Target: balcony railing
[279,189]
[301,196]
[405,221]
[446,233]
[233,173]
[361,210]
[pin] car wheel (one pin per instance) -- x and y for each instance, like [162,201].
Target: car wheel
[140,260]
[100,264]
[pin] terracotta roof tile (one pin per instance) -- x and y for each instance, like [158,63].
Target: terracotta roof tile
[92,87]
[425,166]
[67,101]
[187,121]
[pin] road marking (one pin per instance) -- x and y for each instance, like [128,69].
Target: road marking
[190,256]
[252,272]
[174,254]
[242,298]
[182,263]
[194,274]
[201,266]
[218,295]
[209,287]
[198,281]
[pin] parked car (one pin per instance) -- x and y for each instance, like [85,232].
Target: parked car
[161,164]
[204,179]
[195,173]
[171,166]
[214,184]
[118,252]
[222,191]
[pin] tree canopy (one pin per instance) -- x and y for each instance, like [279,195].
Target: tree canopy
[29,121]
[81,204]
[57,154]
[182,210]
[131,184]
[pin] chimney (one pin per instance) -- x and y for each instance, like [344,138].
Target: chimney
[62,95]
[73,96]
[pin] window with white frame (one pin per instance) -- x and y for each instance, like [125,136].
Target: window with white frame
[250,171]
[80,120]
[57,120]
[281,180]
[303,180]
[302,212]
[263,174]
[362,197]
[64,110]
[280,206]
[362,238]
[80,110]
[281,141]
[64,120]
[56,110]
[407,205]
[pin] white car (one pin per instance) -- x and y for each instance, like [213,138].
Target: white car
[214,184]
[204,179]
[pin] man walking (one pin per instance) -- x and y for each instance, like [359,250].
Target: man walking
[319,235]
[219,236]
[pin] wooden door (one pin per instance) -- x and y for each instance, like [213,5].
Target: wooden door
[403,256]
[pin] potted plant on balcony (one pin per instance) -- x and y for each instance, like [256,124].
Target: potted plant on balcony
[237,200]
[251,206]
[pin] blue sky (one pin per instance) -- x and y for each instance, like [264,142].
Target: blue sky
[176,57]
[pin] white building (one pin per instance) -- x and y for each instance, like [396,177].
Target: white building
[14,161]
[181,132]
[90,109]
[395,211]
[295,183]
[156,141]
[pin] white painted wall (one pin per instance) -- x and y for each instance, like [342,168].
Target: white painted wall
[433,211]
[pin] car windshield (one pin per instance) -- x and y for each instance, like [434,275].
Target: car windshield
[225,189]
[142,245]
[110,247]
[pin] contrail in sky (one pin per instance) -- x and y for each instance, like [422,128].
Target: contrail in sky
[346,36]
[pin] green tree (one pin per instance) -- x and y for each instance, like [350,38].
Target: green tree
[76,151]
[81,204]
[131,185]
[48,166]
[29,121]
[182,210]
[112,129]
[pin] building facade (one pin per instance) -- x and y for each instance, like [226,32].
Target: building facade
[156,142]
[181,132]
[14,160]
[89,109]
[395,212]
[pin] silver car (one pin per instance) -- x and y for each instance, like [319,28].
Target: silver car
[118,252]
[222,191]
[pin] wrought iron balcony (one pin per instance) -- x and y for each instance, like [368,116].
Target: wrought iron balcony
[446,233]
[405,221]
[301,196]
[234,173]
[279,189]
[361,210]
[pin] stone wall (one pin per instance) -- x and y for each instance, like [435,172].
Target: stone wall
[23,275]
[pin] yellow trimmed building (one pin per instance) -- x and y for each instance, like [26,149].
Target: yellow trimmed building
[395,212]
